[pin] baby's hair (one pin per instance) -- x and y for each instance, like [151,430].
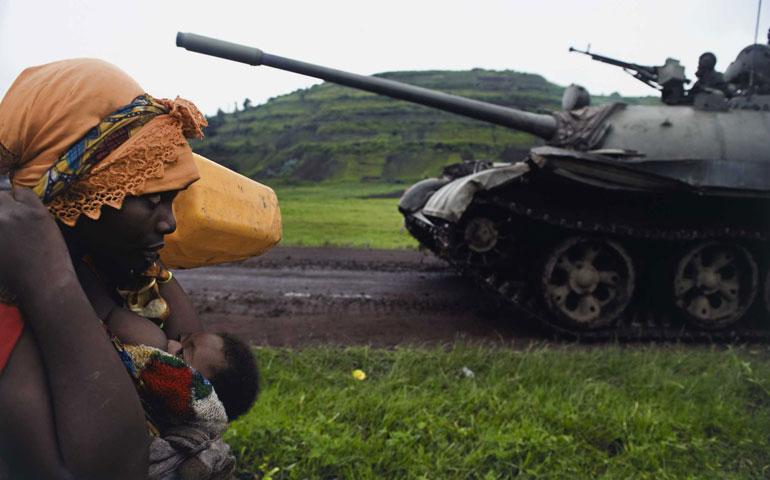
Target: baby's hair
[237,385]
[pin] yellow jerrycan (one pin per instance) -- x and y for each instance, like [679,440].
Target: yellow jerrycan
[223,217]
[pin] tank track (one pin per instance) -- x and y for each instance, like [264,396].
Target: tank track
[634,324]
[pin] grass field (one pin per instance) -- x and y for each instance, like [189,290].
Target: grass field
[343,214]
[553,413]
[577,412]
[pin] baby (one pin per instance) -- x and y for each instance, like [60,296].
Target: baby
[223,359]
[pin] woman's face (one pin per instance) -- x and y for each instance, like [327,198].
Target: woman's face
[130,238]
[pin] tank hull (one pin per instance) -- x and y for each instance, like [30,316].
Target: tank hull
[509,236]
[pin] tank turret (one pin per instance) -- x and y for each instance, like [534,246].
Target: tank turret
[631,222]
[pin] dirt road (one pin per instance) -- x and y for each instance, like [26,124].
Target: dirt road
[306,296]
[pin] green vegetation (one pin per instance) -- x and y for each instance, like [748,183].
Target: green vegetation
[329,132]
[343,214]
[574,413]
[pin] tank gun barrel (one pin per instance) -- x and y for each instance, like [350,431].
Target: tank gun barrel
[543,126]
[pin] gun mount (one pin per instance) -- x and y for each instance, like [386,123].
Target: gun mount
[668,78]
[633,222]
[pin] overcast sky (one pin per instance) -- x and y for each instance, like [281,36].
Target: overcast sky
[372,36]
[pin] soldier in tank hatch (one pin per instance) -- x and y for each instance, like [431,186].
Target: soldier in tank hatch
[708,77]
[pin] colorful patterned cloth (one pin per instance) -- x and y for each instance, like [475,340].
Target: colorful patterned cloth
[174,393]
[96,145]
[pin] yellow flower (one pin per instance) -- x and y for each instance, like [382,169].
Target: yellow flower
[359,374]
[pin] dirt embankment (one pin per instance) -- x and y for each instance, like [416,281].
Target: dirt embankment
[307,296]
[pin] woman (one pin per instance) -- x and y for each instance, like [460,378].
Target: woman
[81,141]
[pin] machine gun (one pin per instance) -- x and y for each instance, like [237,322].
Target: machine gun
[669,78]
[645,74]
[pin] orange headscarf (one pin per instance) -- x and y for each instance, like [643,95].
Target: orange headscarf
[50,107]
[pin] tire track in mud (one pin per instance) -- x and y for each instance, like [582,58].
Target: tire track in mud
[307,296]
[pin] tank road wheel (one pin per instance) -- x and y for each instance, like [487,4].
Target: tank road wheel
[588,282]
[483,240]
[481,234]
[715,284]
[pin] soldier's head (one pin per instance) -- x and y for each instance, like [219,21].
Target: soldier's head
[707,61]
[706,64]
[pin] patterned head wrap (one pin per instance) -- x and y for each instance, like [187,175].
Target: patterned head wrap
[83,134]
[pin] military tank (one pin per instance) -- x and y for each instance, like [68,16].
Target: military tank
[631,222]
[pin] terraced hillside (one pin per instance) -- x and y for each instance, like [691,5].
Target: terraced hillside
[329,132]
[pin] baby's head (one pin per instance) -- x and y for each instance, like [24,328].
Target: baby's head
[227,362]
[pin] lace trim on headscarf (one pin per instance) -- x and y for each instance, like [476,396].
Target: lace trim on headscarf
[187,114]
[96,145]
[108,183]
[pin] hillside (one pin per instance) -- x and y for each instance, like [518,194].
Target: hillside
[329,132]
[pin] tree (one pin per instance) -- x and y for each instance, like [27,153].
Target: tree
[246,103]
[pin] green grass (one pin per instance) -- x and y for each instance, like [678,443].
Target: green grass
[607,412]
[335,214]
[573,413]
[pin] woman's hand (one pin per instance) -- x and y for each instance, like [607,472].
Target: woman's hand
[31,245]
